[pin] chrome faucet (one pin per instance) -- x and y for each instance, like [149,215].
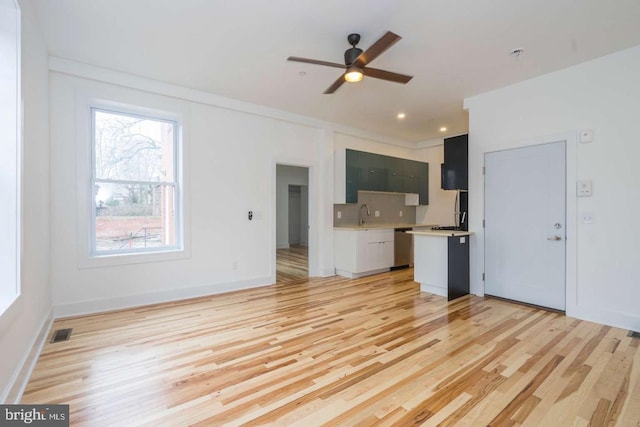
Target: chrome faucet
[364,205]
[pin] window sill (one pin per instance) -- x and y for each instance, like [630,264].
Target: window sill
[98,261]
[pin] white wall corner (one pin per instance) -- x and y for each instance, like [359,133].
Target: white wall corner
[12,394]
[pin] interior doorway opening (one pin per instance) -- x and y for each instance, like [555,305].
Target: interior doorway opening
[292,223]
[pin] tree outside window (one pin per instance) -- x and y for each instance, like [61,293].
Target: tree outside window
[134,183]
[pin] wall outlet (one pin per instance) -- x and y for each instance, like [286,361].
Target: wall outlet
[401,214]
[234,265]
[339,215]
[588,218]
[377,214]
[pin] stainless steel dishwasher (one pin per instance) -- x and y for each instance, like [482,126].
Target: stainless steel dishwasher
[402,248]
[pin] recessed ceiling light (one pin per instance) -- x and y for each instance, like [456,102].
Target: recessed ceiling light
[443,129]
[401,115]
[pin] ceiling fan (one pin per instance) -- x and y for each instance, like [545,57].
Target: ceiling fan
[355,62]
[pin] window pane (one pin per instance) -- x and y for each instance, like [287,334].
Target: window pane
[134,216]
[133,148]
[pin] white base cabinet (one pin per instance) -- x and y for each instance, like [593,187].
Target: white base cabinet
[359,253]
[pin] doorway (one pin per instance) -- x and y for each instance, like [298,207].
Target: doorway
[525,223]
[292,223]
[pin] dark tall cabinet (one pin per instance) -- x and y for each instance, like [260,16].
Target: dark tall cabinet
[455,175]
[458,268]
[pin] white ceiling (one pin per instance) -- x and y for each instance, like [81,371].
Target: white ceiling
[238,49]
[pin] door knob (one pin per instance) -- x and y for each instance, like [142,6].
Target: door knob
[556,237]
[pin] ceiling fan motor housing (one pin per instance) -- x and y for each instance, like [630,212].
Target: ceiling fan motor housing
[351,54]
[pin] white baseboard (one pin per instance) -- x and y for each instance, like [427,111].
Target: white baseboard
[605,317]
[328,272]
[18,383]
[351,275]
[118,303]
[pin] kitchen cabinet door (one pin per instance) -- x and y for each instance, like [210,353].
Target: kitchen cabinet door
[374,172]
[377,249]
[361,252]
[416,179]
[455,175]
[352,176]
[395,181]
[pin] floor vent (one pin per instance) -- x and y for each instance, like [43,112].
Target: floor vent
[61,335]
[633,334]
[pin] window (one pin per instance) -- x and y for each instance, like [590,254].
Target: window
[136,203]
[10,147]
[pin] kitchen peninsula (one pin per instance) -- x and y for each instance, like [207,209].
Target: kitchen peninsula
[441,262]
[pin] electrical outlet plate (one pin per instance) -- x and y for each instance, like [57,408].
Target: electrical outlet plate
[588,218]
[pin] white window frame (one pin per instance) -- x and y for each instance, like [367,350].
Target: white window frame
[177,226]
[123,102]
[10,294]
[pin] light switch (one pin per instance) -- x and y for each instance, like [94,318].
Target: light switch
[584,188]
[377,214]
[401,214]
[339,214]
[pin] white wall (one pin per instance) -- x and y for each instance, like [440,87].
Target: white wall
[26,324]
[602,95]
[230,169]
[286,175]
[440,209]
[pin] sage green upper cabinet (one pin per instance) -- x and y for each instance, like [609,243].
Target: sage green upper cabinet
[352,176]
[374,172]
[395,179]
[416,179]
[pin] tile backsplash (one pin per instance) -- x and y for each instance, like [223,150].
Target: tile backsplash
[389,206]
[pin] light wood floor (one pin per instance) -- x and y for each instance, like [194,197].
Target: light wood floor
[292,263]
[340,352]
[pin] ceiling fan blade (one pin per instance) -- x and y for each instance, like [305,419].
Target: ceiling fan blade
[315,61]
[383,43]
[386,75]
[335,85]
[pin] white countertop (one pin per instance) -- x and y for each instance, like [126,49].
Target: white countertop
[379,226]
[441,233]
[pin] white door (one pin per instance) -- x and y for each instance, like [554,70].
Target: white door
[525,198]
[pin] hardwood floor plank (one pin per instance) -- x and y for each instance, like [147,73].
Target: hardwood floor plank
[339,352]
[292,263]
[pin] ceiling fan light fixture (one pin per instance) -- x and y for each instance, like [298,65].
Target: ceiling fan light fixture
[353,74]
